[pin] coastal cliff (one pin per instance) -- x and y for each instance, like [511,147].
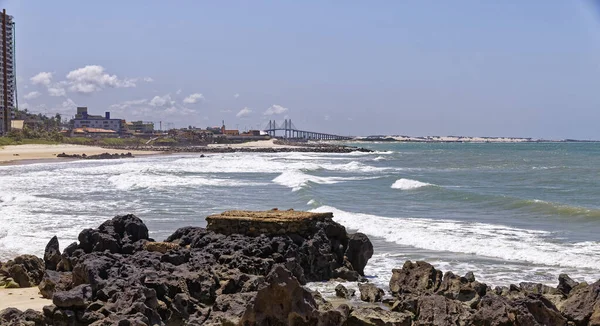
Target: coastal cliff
[250,268]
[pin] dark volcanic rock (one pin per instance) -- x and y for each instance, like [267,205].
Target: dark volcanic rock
[117,235]
[103,156]
[377,317]
[77,297]
[370,293]
[54,281]
[464,289]
[25,270]
[566,284]
[16,317]
[530,310]
[116,275]
[281,301]
[52,254]
[583,304]
[360,250]
[419,277]
[342,292]
[439,310]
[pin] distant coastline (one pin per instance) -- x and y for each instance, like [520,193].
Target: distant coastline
[463,139]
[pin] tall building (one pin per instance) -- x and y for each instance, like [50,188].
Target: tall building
[7,70]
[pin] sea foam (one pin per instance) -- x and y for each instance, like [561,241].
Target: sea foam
[482,239]
[408,184]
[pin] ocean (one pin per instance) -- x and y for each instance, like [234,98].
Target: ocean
[507,212]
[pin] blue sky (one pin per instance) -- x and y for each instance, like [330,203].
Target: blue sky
[472,68]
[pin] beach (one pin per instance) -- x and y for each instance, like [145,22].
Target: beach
[23,299]
[17,153]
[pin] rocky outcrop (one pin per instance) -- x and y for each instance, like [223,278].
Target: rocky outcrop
[103,156]
[418,278]
[12,316]
[116,274]
[54,281]
[565,284]
[23,271]
[377,317]
[583,304]
[370,293]
[52,254]
[530,310]
[342,292]
[360,250]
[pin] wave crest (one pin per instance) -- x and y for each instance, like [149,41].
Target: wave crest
[483,239]
[409,184]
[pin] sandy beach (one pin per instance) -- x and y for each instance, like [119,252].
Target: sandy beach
[16,153]
[23,299]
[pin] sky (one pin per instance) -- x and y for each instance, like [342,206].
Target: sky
[464,68]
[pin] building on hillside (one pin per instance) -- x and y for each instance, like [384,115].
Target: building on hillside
[214,130]
[85,120]
[7,71]
[93,132]
[229,132]
[141,127]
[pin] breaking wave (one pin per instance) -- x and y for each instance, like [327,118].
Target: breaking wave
[409,184]
[482,239]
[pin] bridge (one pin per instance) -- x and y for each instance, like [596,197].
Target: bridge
[291,132]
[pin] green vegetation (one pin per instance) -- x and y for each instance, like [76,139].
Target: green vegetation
[28,136]
[165,142]
[78,140]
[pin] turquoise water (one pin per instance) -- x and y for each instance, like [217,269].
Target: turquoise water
[508,212]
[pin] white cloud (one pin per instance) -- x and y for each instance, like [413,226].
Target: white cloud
[326,117]
[68,107]
[275,109]
[148,79]
[226,111]
[243,112]
[43,78]
[178,92]
[56,90]
[162,100]
[32,95]
[236,95]
[193,98]
[92,78]
[179,110]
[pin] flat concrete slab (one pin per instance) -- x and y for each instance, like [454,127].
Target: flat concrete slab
[270,222]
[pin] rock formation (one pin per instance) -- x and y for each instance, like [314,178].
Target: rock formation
[249,268]
[116,274]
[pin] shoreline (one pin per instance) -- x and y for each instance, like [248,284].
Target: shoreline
[27,154]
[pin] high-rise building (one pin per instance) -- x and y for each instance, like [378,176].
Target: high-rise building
[7,70]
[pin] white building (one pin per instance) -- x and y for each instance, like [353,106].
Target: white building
[7,73]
